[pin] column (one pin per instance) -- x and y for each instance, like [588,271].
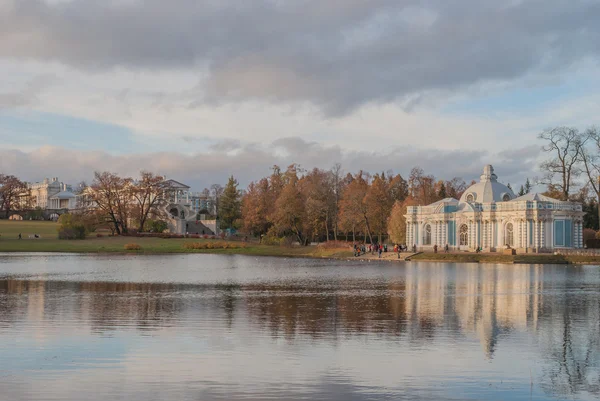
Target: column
[407,233]
[542,234]
[444,233]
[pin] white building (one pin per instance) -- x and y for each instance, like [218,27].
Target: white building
[52,194]
[490,216]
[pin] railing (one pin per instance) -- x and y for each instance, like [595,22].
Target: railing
[504,207]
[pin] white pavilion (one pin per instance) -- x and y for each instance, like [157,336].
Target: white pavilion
[489,216]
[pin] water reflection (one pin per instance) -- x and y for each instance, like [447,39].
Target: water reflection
[530,323]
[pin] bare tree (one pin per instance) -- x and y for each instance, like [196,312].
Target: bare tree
[147,194]
[564,144]
[590,157]
[110,194]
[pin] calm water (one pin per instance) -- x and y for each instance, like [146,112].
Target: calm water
[207,327]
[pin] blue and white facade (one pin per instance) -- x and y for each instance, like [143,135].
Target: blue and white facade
[490,216]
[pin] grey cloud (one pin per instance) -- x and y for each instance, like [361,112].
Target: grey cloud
[28,95]
[252,162]
[336,54]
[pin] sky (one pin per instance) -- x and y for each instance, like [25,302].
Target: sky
[201,89]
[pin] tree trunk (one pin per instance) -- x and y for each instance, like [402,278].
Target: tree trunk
[354,234]
[368,228]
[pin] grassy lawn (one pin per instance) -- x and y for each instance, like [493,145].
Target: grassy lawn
[49,242]
[11,229]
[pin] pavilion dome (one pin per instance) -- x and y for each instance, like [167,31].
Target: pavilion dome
[488,189]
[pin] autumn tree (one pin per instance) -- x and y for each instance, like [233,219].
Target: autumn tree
[397,221]
[290,212]
[111,195]
[320,201]
[230,204]
[455,187]
[14,194]
[353,203]
[378,203]
[564,145]
[147,195]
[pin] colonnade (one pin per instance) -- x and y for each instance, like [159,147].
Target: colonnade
[492,233]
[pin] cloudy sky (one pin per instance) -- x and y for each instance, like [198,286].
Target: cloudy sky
[200,89]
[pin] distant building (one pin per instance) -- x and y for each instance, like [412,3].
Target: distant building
[489,216]
[51,194]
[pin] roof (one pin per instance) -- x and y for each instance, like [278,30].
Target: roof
[445,200]
[488,189]
[63,195]
[536,197]
[176,184]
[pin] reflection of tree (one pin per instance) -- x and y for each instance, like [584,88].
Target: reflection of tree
[572,346]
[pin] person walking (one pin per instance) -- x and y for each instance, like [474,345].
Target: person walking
[380,251]
[20,236]
[446,249]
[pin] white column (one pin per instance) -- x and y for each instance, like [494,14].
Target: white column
[444,233]
[542,234]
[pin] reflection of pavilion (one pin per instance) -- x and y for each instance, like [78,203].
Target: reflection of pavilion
[487,301]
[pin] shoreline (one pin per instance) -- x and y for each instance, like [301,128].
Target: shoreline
[297,252]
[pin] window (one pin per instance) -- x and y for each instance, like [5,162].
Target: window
[463,233]
[427,235]
[509,235]
[505,197]
[470,198]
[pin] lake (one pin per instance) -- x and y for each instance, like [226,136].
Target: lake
[212,327]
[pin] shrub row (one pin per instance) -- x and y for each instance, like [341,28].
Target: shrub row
[213,245]
[132,247]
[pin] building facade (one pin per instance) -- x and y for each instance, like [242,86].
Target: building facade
[51,194]
[489,216]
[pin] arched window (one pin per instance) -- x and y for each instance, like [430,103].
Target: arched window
[470,198]
[427,235]
[509,235]
[463,235]
[505,197]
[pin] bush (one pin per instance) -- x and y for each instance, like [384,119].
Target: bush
[157,226]
[132,247]
[213,245]
[71,227]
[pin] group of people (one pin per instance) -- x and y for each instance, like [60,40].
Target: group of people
[379,249]
[435,248]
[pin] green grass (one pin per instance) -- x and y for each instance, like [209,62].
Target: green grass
[49,242]
[12,228]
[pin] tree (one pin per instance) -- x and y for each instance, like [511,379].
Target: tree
[319,193]
[441,190]
[14,194]
[508,186]
[456,187]
[565,146]
[290,213]
[256,205]
[147,194]
[521,191]
[111,195]
[397,221]
[216,192]
[397,187]
[353,205]
[338,184]
[527,186]
[421,186]
[590,157]
[230,204]
[378,204]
